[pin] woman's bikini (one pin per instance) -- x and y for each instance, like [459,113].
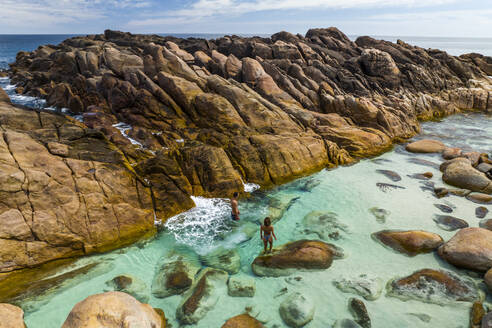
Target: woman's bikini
[267,235]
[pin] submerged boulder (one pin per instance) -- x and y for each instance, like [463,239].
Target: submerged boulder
[469,248]
[433,286]
[368,287]
[411,242]
[202,297]
[324,224]
[449,223]
[11,316]
[425,146]
[113,310]
[242,321]
[346,323]
[297,310]
[173,278]
[380,214]
[294,256]
[130,285]
[359,311]
[241,286]
[222,259]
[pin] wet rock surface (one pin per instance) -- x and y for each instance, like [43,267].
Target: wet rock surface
[469,248]
[433,286]
[294,256]
[410,243]
[426,146]
[481,212]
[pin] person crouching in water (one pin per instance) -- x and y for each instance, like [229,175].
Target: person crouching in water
[267,234]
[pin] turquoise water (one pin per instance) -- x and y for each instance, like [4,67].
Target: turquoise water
[349,192]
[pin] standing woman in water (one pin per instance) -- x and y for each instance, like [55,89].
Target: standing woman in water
[267,234]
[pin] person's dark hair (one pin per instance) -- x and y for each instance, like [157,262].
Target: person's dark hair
[267,222]
[235,194]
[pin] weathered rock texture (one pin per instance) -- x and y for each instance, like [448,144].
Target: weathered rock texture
[11,316]
[208,114]
[112,310]
[65,191]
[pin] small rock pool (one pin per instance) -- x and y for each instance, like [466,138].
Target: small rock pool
[358,201]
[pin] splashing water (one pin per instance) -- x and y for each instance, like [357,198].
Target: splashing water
[203,225]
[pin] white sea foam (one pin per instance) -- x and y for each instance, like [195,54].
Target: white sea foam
[203,224]
[250,187]
[123,127]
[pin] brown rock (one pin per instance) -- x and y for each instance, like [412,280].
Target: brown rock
[462,175]
[4,97]
[409,242]
[421,285]
[11,316]
[242,321]
[450,153]
[476,314]
[112,309]
[479,198]
[470,248]
[297,255]
[425,146]
[488,279]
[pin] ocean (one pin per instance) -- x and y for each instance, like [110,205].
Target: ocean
[10,44]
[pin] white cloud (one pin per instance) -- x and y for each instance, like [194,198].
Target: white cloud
[42,13]
[202,9]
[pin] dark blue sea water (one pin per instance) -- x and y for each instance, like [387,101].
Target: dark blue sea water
[10,45]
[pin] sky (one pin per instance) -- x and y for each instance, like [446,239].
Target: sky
[451,18]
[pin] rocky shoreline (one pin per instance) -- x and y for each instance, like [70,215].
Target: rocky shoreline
[207,116]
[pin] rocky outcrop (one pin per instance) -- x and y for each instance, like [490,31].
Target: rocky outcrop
[203,116]
[60,194]
[112,310]
[11,316]
[470,248]
[294,256]
[409,242]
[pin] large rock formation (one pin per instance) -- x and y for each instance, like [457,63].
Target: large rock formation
[61,191]
[166,118]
